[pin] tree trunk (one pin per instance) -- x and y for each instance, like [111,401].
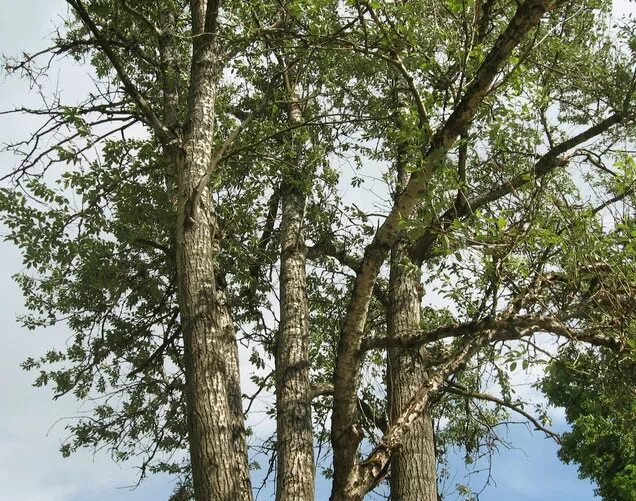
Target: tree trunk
[219,463]
[295,471]
[235,397]
[209,349]
[215,424]
[413,468]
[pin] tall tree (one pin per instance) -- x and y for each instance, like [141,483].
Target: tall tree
[221,218]
[294,433]
[599,404]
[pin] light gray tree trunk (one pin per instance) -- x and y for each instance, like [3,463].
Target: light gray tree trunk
[351,478]
[210,355]
[212,390]
[215,421]
[295,469]
[209,352]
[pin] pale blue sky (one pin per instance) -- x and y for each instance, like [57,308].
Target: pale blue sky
[31,468]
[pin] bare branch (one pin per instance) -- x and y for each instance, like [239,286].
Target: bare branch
[456,389]
[153,120]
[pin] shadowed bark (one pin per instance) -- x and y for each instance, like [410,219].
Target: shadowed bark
[413,467]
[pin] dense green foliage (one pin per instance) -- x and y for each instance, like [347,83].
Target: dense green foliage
[598,392]
[529,216]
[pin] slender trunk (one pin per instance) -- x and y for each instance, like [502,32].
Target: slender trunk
[235,398]
[295,471]
[413,467]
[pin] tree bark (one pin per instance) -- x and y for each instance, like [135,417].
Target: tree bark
[214,413]
[209,351]
[413,467]
[295,468]
[217,449]
[215,421]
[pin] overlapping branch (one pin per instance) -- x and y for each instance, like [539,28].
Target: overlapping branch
[506,328]
[144,106]
[549,162]
[346,375]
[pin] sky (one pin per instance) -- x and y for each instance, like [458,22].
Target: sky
[32,425]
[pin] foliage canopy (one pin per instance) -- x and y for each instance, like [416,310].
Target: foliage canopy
[475,155]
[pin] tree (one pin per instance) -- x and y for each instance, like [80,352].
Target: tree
[494,125]
[599,403]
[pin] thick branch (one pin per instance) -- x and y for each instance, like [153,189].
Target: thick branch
[547,163]
[505,329]
[370,472]
[422,248]
[345,440]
